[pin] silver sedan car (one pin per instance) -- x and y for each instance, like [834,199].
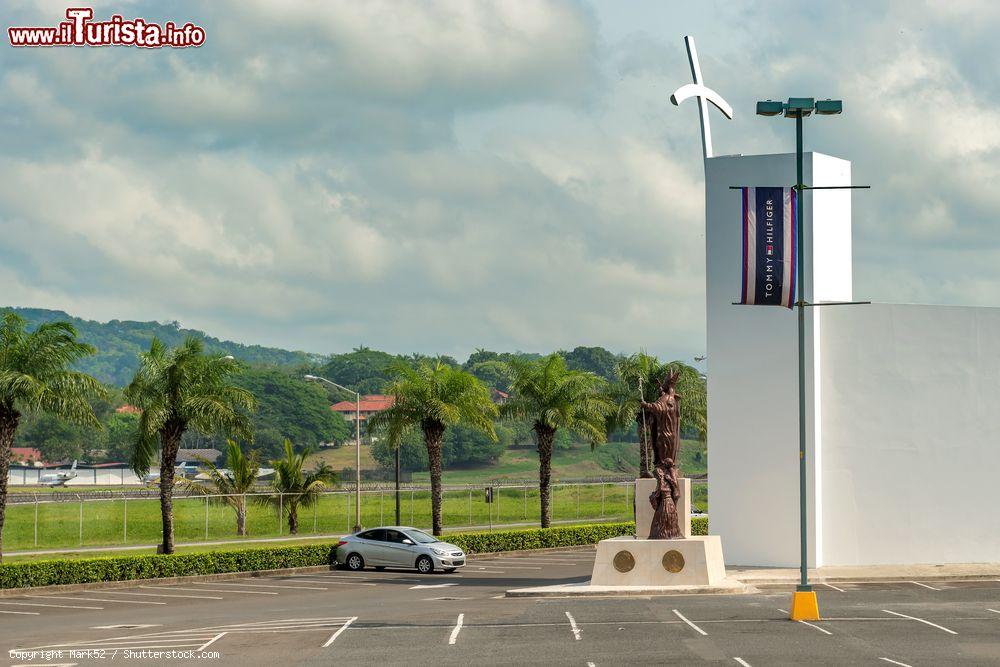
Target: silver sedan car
[398,546]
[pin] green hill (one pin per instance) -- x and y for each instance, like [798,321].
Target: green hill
[118,343]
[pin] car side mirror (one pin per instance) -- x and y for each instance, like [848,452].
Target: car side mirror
[407,540]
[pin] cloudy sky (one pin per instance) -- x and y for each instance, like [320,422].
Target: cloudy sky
[441,176]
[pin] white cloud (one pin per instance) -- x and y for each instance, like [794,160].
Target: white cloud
[441,176]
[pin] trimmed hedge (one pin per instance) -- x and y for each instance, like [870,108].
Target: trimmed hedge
[126,568]
[538,538]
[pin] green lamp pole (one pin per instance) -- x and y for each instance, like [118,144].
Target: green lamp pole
[798,108]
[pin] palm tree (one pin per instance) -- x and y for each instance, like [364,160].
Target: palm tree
[35,376]
[298,488]
[232,483]
[177,390]
[636,379]
[432,398]
[551,396]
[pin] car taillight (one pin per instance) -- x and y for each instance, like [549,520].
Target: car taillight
[341,543]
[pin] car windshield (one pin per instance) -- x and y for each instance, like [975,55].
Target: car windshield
[420,537]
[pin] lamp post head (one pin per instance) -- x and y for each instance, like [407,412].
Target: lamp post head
[799,107]
[770,108]
[829,107]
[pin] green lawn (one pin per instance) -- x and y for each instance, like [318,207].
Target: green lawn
[103,522]
[612,459]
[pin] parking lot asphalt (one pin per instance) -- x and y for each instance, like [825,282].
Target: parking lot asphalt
[399,617]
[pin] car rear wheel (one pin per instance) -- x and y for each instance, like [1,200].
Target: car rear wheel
[425,565]
[355,562]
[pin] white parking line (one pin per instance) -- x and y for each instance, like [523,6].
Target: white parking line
[421,586]
[914,618]
[506,567]
[164,595]
[207,590]
[25,613]
[329,581]
[683,618]
[835,588]
[70,597]
[210,642]
[994,611]
[573,626]
[917,583]
[901,664]
[458,628]
[823,630]
[742,662]
[304,588]
[42,604]
[336,634]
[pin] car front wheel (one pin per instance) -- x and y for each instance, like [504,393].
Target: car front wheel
[425,565]
[355,562]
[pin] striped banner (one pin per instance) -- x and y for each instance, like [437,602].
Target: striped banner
[768,246]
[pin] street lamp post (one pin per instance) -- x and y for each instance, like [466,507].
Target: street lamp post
[804,604]
[357,441]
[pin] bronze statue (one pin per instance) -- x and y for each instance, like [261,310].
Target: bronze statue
[664,501]
[665,412]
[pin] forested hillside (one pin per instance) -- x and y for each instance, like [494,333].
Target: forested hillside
[291,407]
[118,343]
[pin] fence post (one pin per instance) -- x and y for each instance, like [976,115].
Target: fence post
[281,511]
[524,511]
[411,507]
[577,501]
[603,486]
[347,507]
[316,510]
[470,505]
[125,520]
[81,522]
[499,495]
[36,522]
[380,519]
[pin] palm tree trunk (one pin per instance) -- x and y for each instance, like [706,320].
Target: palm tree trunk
[170,441]
[8,427]
[433,435]
[545,435]
[293,519]
[241,516]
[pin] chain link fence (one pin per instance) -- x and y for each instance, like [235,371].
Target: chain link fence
[66,520]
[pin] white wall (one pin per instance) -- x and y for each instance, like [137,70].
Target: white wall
[753,363]
[911,434]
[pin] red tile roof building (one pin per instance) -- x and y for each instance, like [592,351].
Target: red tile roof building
[26,456]
[370,404]
[128,410]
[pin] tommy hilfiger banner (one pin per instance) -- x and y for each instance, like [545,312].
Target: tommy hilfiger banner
[768,247]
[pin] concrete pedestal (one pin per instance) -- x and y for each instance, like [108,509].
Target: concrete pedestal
[644,511]
[625,561]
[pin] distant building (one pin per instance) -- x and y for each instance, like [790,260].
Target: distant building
[28,456]
[128,410]
[370,404]
[194,456]
[499,397]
